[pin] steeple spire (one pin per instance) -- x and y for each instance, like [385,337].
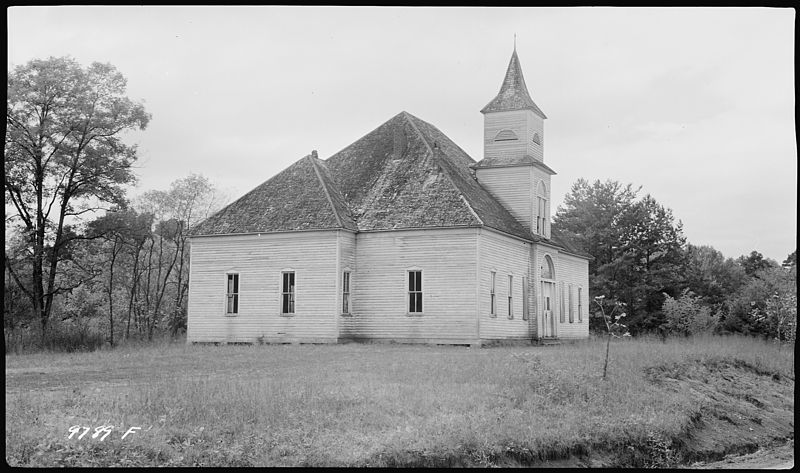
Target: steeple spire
[513,93]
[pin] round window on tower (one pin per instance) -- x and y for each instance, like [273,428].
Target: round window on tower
[536,139]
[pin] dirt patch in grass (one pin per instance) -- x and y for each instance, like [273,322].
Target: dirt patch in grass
[742,408]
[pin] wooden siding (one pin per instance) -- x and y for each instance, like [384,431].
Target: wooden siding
[504,255]
[523,123]
[494,123]
[535,126]
[259,261]
[569,270]
[446,258]
[512,187]
[574,271]
[347,261]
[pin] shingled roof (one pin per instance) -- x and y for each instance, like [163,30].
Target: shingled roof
[301,197]
[404,174]
[513,93]
[506,161]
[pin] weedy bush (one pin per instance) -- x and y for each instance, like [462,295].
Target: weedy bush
[686,315]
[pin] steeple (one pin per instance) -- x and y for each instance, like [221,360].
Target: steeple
[513,93]
[512,168]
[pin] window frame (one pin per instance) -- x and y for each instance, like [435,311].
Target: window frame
[492,294]
[580,304]
[418,295]
[571,305]
[292,293]
[525,296]
[234,295]
[562,312]
[510,296]
[347,282]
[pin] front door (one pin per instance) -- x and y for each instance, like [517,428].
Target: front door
[547,309]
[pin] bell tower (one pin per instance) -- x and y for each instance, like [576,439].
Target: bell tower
[513,168]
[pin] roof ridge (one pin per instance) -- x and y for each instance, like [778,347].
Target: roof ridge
[314,165]
[442,168]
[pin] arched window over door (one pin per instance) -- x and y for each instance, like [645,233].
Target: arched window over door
[548,270]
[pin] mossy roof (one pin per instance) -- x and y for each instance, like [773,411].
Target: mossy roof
[513,93]
[405,174]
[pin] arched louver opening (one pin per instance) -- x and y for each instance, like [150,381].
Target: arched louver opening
[506,135]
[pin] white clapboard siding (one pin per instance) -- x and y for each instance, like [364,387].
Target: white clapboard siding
[535,126]
[446,258]
[259,261]
[524,123]
[575,271]
[347,261]
[505,255]
[512,187]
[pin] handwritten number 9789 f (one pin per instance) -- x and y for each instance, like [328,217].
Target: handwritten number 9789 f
[101,431]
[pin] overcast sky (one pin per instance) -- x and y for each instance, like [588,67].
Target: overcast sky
[694,104]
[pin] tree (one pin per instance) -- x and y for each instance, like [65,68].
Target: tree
[778,310]
[187,202]
[637,246]
[790,261]
[754,263]
[710,275]
[614,326]
[117,228]
[64,156]
[656,243]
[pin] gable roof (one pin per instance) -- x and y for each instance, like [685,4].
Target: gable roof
[301,197]
[513,93]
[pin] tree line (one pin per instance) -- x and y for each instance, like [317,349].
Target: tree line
[73,278]
[642,262]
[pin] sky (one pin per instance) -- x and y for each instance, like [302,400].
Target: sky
[696,105]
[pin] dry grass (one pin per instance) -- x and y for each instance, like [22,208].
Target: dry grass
[355,405]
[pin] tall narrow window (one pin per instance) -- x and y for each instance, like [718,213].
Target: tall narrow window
[525,309]
[541,208]
[571,306]
[580,304]
[415,292]
[492,298]
[562,312]
[287,292]
[232,306]
[346,292]
[510,296]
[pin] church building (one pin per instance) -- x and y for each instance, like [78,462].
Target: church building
[401,236]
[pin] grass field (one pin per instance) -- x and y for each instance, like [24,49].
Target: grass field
[396,405]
